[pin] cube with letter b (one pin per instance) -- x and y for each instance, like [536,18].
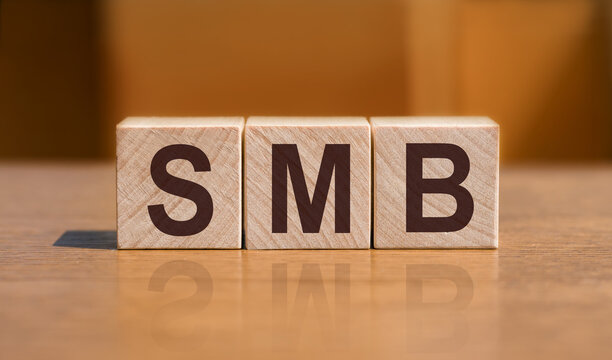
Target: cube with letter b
[436,182]
[179,183]
[307,183]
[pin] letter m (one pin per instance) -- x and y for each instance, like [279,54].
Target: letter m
[286,157]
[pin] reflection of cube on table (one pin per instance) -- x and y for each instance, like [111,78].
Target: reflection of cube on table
[307,183]
[436,182]
[179,182]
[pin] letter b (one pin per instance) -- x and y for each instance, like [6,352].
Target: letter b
[416,186]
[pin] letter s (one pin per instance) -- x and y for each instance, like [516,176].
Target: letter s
[183,188]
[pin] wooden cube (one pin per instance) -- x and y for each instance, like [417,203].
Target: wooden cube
[179,183]
[436,182]
[307,183]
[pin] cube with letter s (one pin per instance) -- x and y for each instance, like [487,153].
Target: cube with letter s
[179,183]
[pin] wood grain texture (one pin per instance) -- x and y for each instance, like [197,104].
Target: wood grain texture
[138,140]
[66,293]
[311,136]
[478,137]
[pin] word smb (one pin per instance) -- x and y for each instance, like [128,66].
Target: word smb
[307,183]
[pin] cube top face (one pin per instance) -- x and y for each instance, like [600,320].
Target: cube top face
[395,140]
[307,121]
[182,122]
[313,145]
[210,169]
[433,121]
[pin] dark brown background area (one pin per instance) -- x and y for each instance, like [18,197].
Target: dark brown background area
[49,94]
[70,69]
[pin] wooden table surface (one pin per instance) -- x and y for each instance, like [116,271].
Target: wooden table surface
[65,292]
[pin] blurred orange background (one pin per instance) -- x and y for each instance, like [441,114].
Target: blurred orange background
[71,69]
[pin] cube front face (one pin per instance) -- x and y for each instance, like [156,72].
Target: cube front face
[178,185]
[274,153]
[466,155]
